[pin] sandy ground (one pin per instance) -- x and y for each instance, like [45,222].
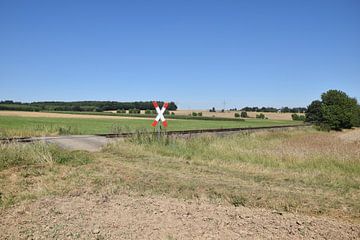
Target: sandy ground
[228,114]
[62,115]
[130,216]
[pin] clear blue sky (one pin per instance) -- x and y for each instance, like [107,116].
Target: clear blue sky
[197,53]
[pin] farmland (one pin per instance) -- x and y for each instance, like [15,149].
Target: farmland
[36,124]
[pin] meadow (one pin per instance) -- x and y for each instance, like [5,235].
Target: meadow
[39,126]
[299,171]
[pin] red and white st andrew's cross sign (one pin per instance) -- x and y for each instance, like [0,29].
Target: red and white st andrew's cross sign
[160,115]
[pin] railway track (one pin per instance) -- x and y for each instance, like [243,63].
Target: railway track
[220,131]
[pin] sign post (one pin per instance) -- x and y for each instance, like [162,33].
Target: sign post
[160,117]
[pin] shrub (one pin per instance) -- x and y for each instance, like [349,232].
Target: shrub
[148,111]
[237,115]
[261,116]
[199,114]
[297,117]
[194,114]
[134,111]
[314,112]
[335,111]
[167,112]
[244,114]
[121,111]
[172,114]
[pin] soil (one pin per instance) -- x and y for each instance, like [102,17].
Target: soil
[133,216]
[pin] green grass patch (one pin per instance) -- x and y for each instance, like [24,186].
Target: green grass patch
[39,153]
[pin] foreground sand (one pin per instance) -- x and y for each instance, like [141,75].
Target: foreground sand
[132,216]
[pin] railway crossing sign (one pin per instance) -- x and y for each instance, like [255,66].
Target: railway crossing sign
[160,115]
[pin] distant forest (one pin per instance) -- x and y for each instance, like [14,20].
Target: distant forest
[83,106]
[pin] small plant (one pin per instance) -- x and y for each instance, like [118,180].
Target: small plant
[134,111]
[260,116]
[172,114]
[148,111]
[237,115]
[194,114]
[237,200]
[199,114]
[244,114]
[297,117]
[121,111]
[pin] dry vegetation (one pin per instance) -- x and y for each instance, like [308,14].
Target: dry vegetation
[287,184]
[302,171]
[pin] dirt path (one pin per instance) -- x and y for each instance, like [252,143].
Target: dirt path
[89,143]
[140,217]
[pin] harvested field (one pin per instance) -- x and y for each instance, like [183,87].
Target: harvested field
[230,114]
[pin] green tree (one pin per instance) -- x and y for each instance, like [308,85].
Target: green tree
[339,110]
[314,112]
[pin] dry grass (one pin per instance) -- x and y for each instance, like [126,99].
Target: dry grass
[298,171]
[303,171]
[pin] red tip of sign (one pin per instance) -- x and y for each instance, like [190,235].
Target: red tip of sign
[166,105]
[155,104]
[165,123]
[154,124]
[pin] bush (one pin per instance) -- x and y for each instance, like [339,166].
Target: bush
[335,111]
[261,116]
[167,112]
[148,111]
[314,112]
[244,114]
[172,114]
[194,114]
[121,111]
[134,111]
[297,117]
[237,115]
[199,114]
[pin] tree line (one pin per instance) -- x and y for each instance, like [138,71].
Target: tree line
[83,106]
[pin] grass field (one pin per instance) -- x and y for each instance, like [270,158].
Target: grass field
[36,126]
[299,171]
